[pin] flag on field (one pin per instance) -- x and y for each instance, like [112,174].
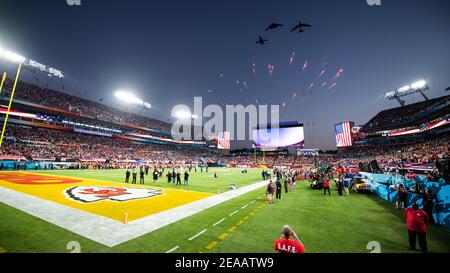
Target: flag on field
[343,134]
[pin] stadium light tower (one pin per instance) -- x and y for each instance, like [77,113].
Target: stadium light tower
[130,98]
[417,87]
[185,115]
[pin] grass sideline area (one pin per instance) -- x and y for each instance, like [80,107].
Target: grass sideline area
[245,224]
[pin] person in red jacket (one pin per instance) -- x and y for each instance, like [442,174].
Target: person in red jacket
[326,187]
[289,242]
[416,223]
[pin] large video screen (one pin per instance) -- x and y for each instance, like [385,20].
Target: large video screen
[283,136]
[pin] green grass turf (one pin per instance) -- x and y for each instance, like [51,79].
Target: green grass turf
[324,224]
[198,181]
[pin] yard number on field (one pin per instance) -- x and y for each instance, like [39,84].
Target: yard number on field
[374,246]
[74,246]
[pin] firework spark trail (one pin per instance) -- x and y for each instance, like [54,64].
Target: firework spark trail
[331,86]
[270,67]
[291,60]
[293,97]
[305,65]
[254,69]
[245,84]
[321,74]
[311,86]
[338,75]
[323,85]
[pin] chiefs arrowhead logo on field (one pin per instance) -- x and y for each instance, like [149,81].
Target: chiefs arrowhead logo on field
[97,193]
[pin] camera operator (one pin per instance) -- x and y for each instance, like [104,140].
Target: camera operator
[289,242]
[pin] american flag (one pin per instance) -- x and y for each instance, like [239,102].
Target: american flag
[223,142]
[343,134]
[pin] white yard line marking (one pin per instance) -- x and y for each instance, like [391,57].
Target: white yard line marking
[243,207]
[233,213]
[107,231]
[252,201]
[198,234]
[260,197]
[220,221]
[172,249]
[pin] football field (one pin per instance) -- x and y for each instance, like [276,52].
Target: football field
[95,211]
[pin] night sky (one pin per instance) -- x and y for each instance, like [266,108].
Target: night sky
[170,51]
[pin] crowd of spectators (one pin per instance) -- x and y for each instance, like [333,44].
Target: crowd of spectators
[80,106]
[421,151]
[33,143]
[405,116]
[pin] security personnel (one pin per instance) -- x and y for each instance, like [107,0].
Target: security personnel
[169,177]
[134,177]
[278,189]
[127,176]
[141,176]
[179,178]
[186,178]
[155,175]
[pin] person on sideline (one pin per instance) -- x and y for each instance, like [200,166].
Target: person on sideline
[326,187]
[289,242]
[416,223]
[270,191]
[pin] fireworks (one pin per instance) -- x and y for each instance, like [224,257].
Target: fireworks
[245,84]
[321,74]
[338,74]
[254,69]
[323,84]
[331,86]
[270,67]
[291,60]
[305,65]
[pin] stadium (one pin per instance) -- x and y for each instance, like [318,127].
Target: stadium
[83,175]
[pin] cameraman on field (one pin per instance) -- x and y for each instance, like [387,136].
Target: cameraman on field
[289,242]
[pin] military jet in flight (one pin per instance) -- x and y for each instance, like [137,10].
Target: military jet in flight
[261,41]
[274,25]
[300,27]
